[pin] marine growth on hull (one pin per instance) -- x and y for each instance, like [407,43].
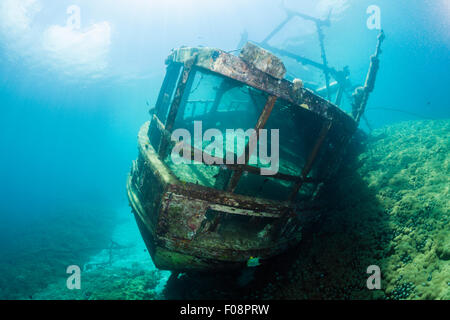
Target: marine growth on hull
[231,157]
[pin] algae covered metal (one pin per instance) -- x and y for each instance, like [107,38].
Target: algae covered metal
[216,215]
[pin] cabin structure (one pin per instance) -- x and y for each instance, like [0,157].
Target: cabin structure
[210,217]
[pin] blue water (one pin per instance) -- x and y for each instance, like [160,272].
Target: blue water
[72,99]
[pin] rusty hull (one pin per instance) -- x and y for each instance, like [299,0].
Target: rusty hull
[171,216]
[181,222]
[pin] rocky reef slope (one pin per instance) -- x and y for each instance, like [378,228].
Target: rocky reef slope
[391,209]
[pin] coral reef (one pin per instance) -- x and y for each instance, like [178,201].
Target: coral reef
[391,212]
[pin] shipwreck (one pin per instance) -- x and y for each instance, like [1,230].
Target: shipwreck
[218,216]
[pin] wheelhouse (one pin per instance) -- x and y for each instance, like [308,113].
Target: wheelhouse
[204,216]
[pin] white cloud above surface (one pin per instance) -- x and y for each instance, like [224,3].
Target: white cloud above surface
[319,8]
[16,16]
[79,51]
[82,52]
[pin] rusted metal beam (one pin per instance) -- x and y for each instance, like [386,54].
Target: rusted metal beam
[324,59]
[228,199]
[219,253]
[249,149]
[169,83]
[173,112]
[244,167]
[261,124]
[371,77]
[311,159]
[242,212]
[160,126]
[278,176]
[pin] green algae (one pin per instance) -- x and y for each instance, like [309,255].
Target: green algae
[391,212]
[415,157]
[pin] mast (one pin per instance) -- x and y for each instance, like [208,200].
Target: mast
[340,76]
[361,95]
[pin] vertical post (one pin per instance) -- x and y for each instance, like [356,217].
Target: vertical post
[182,85]
[340,94]
[262,121]
[371,77]
[311,159]
[168,86]
[338,155]
[342,79]
[324,59]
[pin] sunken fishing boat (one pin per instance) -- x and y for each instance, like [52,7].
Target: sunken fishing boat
[220,215]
